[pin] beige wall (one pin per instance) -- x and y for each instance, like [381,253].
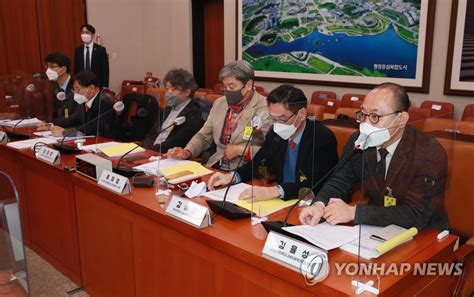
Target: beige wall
[142,36]
[155,35]
[438,64]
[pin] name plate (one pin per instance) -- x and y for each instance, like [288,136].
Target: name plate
[49,155]
[114,182]
[309,260]
[189,212]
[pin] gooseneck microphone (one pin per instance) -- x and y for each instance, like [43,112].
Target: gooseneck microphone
[227,209]
[129,172]
[66,149]
[303,193]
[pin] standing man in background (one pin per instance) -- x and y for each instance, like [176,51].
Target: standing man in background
[92,56]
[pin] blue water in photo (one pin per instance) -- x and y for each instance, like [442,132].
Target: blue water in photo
[358,51]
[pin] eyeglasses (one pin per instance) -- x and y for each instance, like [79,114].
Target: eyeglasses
[51,66]
[373,117]
[280,120]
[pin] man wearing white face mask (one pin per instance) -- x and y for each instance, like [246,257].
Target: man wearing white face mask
[92,56]
[180,86]
[57,70]
[403,171]
[91,103]
[300,151]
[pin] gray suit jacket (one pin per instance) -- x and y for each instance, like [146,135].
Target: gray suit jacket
[416,176]
[211,131]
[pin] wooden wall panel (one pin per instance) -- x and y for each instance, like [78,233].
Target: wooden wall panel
[59,25]
[19,36]
[30,29]
[213,40]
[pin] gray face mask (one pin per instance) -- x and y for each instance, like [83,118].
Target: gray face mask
[171,100]
[233,97]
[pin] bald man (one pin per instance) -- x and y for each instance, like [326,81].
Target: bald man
[403,173]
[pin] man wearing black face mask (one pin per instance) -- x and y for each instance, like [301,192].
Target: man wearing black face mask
[180,85]
[228,118]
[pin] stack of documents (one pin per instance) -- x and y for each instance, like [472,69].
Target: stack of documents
[48,134]
[153,167]
[190,169]
[96,147]
[22,123]
[120,149]
[261,208]
[29,143]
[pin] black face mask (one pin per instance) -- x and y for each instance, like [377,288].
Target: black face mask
[233,97]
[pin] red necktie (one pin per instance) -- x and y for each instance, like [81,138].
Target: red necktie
[292,144]
[86,107]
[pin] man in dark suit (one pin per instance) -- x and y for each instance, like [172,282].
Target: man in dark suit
[403,171]
[58,68]
[299,150]
[180,85]
[92,56]
[92,103]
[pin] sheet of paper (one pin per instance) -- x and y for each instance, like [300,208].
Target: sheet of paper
[120,149]
[194,167]
[325,235]
[266,207]
[232,195]
[151,168]
[22,123]
[29,143]
[95,147]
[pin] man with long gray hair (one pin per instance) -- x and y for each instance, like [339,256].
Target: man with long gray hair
[228,119]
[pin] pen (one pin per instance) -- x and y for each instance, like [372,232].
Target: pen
[378,238]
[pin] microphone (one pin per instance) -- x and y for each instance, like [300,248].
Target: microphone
[302,194]
[227,209]
[71,150]
[129,172]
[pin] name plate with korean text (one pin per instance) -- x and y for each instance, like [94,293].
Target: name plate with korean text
[114,182]
[49,155]
[309,260]
[189,212]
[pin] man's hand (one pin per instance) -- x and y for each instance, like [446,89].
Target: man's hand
[178,153]
[338,212]
[219,179]
[57,131]
[233,151]
[311,215]
[260,193]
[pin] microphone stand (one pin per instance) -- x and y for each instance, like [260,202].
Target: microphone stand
[127,171]
[15,135]
[227,209]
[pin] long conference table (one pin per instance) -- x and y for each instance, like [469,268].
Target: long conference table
[115,245]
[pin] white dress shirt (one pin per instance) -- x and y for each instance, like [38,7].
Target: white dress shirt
[91,47]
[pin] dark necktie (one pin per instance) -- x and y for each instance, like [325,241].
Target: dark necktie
[381,165]
[88,61]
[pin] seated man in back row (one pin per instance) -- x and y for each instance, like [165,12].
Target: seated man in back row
[228,121]
[403,170]
[301,151]
[180,86]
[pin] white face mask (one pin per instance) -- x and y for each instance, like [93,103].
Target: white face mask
[86,38]
[80,99]
[371,136]
[51,74]
[283,130]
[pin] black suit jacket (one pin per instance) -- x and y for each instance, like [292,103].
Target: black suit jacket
[180,135]
[59,112]
[87,121]
[416,176]
[317,154]
[99,63]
